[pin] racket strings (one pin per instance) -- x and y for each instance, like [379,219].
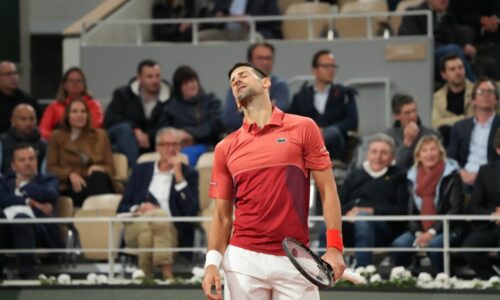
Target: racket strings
[308,262]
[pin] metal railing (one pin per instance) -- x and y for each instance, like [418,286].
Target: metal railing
[87,27]
[110,250]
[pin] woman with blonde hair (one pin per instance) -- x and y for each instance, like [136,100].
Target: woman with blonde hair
[436,189]
[73,86]
[80,155]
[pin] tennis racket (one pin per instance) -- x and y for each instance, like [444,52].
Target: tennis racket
[312,267]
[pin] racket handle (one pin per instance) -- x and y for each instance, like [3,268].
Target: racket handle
[353,277]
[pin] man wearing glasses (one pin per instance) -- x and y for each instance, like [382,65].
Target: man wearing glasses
[332,106]
[11,95]
[163,188]
[472,139]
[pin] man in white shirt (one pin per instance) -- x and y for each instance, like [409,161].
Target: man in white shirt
[163,188]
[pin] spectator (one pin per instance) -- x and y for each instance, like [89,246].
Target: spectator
[11,95]
[436,190]
[73,86]
[407,129]
[452,102]
[376,188]
[133,114]
[80,155]
[332,106]
[161,189]
[27,194]
[485,201]
[176,9]
[239,30]
[483,16]
[449,37]
[193,112]
[472,139]
[22,130]
[262,56]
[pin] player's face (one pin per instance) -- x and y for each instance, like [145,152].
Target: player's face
[454,72]
[407,114]
[379,156]
[429,155]
[245,83]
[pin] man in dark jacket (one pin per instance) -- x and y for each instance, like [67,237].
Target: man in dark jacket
[160,189]
[332,106]
[11,95]
[132,116]
[26,194]
[22,130]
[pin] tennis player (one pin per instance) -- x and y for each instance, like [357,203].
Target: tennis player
[263,169]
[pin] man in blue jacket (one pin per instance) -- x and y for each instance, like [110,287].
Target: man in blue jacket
[332,106]
[26,194]
[163,188]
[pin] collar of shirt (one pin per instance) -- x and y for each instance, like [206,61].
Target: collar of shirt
[276,120]
[158,171]
[486,124]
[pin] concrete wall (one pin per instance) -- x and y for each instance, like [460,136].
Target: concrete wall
[112,66]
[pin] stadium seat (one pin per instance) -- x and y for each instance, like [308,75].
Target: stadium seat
[355,27]
[296,30]
[402,6]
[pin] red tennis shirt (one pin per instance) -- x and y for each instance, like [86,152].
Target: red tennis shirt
[265,171]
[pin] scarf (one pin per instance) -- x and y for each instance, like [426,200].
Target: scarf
[426,189]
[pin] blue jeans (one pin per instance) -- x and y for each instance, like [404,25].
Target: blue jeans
[334,141]
[122,139]
[406,241]
[442,51]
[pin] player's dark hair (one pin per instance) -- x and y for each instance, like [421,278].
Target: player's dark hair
[256,70]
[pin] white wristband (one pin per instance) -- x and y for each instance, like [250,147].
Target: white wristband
[213,257]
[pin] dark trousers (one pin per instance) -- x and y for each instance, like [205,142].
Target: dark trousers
[479,261]
[97,183]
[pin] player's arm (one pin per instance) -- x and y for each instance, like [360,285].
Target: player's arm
[218,239]
[327,188]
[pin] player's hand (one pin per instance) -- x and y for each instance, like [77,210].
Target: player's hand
[334,258]
[211,278]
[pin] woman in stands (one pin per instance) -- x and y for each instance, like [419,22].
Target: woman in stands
[80,155]
[195,113]
[436,190]
[73,86]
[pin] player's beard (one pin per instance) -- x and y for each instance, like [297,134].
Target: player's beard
[244,98]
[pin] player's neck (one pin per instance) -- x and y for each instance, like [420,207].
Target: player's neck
[259,112]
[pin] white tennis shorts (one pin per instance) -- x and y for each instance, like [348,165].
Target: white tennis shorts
[254,275]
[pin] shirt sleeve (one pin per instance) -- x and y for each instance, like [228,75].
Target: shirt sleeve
[221,184]
[316,155]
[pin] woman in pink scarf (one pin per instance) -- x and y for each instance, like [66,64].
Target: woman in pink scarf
[436,190]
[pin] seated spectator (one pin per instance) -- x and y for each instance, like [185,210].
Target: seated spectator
[80,155]
[485,201]
[483,16]
[133,114]
[436,190]
[234,31]
[260,55]
[452,102]
[73,86]
[11,95]
[162,188]
[193,112]
[449,37]
[472,139]
[176,9]
[376,188]
[332,106]
[22,130]
[26,194]
[407,129]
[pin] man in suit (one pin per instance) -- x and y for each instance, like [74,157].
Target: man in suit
[26,194]
[472,139]
[332,106]
[163,188]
